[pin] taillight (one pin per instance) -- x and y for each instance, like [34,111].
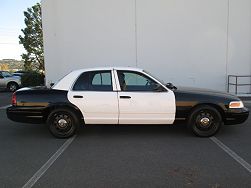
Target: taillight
[14,99]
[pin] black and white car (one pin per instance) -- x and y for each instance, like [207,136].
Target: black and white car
[122,95]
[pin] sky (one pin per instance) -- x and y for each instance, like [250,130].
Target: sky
[11,23]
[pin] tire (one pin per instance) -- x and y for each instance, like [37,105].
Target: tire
[205,121]
[12,86]
[62,123]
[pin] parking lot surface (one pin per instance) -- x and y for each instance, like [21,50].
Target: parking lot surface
[5,98]
[123,156]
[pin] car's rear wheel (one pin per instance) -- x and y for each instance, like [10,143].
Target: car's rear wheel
[62,123]
[205,121]
[12,86]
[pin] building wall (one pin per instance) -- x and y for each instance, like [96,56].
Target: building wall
[187,42]
[239,40]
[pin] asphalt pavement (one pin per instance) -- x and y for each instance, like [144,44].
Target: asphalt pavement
[5,98]
[123,156]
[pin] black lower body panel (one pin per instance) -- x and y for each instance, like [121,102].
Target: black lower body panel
[236,116]
[26,114]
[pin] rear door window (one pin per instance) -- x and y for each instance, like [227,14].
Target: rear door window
[94,81]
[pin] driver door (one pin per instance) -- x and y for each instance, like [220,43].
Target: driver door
[143,101]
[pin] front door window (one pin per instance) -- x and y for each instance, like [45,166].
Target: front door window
[135,81]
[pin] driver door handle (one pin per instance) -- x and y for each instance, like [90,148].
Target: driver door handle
[77,96]
[125,97]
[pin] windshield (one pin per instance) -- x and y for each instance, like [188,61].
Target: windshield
[161,81]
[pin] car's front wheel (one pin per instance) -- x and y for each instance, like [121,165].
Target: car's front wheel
[62,123]
[205,121]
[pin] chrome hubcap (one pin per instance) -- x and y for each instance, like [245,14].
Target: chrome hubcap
[62,123]
[205,121]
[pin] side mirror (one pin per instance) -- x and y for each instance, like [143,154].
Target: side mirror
[1,77]
[170,86]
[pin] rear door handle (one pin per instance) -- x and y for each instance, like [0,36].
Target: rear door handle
[77,96]
[125,97]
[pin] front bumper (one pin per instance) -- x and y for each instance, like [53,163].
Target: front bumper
[236,116]
[26,114]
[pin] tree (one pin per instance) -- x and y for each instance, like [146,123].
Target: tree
[32,39]
[4,67]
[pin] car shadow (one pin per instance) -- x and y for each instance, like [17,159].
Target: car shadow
[135,130]
[142,131]
[36,131]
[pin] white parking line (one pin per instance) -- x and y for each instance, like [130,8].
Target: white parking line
[47,165]
[230,152]
[4,107]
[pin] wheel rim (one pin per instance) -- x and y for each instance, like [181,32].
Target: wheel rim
[62,123]
[13,87]
[206,120]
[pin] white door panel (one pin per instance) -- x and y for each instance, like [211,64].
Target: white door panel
[96,107]
[93,93]
[147,108]
[131,98]
[143,99]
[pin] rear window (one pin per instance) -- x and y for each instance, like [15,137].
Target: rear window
[94,81]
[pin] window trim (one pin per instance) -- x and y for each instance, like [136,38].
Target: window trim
[100,71]
[140,73]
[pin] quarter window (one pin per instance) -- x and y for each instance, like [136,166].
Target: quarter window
[94,81]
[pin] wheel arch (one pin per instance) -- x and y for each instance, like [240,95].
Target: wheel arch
[67,106]
[216,106]
[197,128]
[10,82]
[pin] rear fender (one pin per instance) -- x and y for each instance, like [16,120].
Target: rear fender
[71,107]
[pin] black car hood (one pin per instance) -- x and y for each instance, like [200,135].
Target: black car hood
[204,92]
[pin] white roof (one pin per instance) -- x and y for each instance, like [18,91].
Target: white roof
[66,82]
[108,68]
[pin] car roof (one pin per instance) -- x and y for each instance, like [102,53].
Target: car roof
[66,82]
[108,68]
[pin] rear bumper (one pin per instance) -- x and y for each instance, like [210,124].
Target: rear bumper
[26,114]
[236,116]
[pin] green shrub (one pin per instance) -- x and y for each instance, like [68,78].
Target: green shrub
[32,79]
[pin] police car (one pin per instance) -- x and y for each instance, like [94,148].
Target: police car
[123,95]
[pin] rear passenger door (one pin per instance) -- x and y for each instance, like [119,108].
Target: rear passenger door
[93,93]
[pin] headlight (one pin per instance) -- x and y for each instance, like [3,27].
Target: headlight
[236,104]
